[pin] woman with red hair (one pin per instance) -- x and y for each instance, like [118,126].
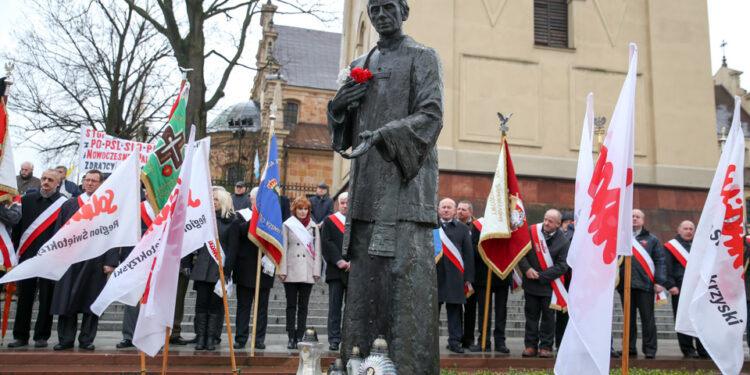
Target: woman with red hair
[300,267]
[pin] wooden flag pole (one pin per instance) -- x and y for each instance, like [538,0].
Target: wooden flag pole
[255,304]
[166,352]
[486,309]
[143,361]
[226,305]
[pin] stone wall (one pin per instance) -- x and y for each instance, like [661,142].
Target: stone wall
[312,103]
[307,167]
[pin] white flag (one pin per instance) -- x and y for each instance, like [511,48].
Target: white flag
[603,230]
[157,307]
[128,281]
[109,219]
[712,297]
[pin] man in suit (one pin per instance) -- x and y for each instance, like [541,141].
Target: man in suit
[337,268]
[38,209]
[455,270]
[78,288]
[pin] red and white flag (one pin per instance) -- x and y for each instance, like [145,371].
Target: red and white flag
[712,298]
[128,281]
[157,305]
[603,230]
[107,220]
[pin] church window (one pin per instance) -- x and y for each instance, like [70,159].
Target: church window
[291,110]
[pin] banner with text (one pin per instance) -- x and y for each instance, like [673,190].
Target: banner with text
[98,150]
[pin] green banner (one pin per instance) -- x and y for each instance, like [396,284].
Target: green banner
[160,173]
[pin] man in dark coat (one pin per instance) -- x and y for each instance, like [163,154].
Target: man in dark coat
[642,289]
[240,200]
[244,276]
[465,214]
[392,121]
[321,203]
[337,268]
[36,208]
[673,282]
[452,280]
[499,288]
[78,288]
[537,289]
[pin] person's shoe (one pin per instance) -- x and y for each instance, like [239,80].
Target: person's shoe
[615,353]
[478,348]
[88,346]
[63,346]
[456,348]
[466,345]
[501,348]
[544,353]
[692,355]
[40,343]
[650,355]
[633,353]
[193,340]
[703,354]
[260,345]
[334,347]
[125,343]
[238,345]
[18,343]
[528,352]
[292,344]
[178,341]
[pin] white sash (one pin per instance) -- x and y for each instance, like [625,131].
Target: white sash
[451,251]
[559,293]
[641,255]
[8,256]
[46,214]
[302,234]
[679,252]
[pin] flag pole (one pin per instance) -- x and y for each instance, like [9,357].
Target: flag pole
[272,117]
[9,287]
[166,352]
[503,131]
[143,361]
[255,304]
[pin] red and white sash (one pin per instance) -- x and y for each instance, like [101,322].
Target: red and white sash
[559,295]
[40,224]
[8,257]
[478,224]
[147,213]
[679,252]
[641,255]
[302,234]
[451,251]
[338,220]
[517,281]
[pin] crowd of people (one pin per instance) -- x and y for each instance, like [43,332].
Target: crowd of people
[312,239]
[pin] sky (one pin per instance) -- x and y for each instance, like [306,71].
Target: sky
[726,23]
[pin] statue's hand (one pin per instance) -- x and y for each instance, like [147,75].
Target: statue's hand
[369,139]
[351,92]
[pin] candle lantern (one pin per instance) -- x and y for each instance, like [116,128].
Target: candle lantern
[310,351]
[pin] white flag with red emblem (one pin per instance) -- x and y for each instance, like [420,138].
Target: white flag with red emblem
[603,230]
[712,297]
[157,305]
[107,220]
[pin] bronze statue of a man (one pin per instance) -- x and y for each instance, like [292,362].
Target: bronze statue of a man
[392,121]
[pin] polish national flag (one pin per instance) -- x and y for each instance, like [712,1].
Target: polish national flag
[603,230]
[712,298]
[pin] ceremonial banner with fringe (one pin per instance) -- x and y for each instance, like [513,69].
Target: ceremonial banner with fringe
[265,226]
[8,187]
[505,236]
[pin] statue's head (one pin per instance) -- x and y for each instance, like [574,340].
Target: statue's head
[387,16]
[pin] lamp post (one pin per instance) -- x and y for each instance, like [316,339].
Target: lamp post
[238,127]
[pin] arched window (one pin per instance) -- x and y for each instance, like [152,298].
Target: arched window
[291,112]
[235,172]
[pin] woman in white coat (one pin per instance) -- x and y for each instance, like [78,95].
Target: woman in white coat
[300,267]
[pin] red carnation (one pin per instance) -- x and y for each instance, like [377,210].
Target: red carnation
[360,75]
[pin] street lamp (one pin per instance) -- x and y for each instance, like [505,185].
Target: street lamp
[238,127]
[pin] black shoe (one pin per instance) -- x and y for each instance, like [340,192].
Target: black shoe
[125,343]
[334,347]
[178,341]
[88,346]
[692,355]
[18,343]
[63,346]
[650,355]
[456,349]
[633,353]
[260,345]
[615,353]
[238,345]
[502,349]
[478,348]
[703,354]
[193,340]
[466,345]
[292,344]
[40,343]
